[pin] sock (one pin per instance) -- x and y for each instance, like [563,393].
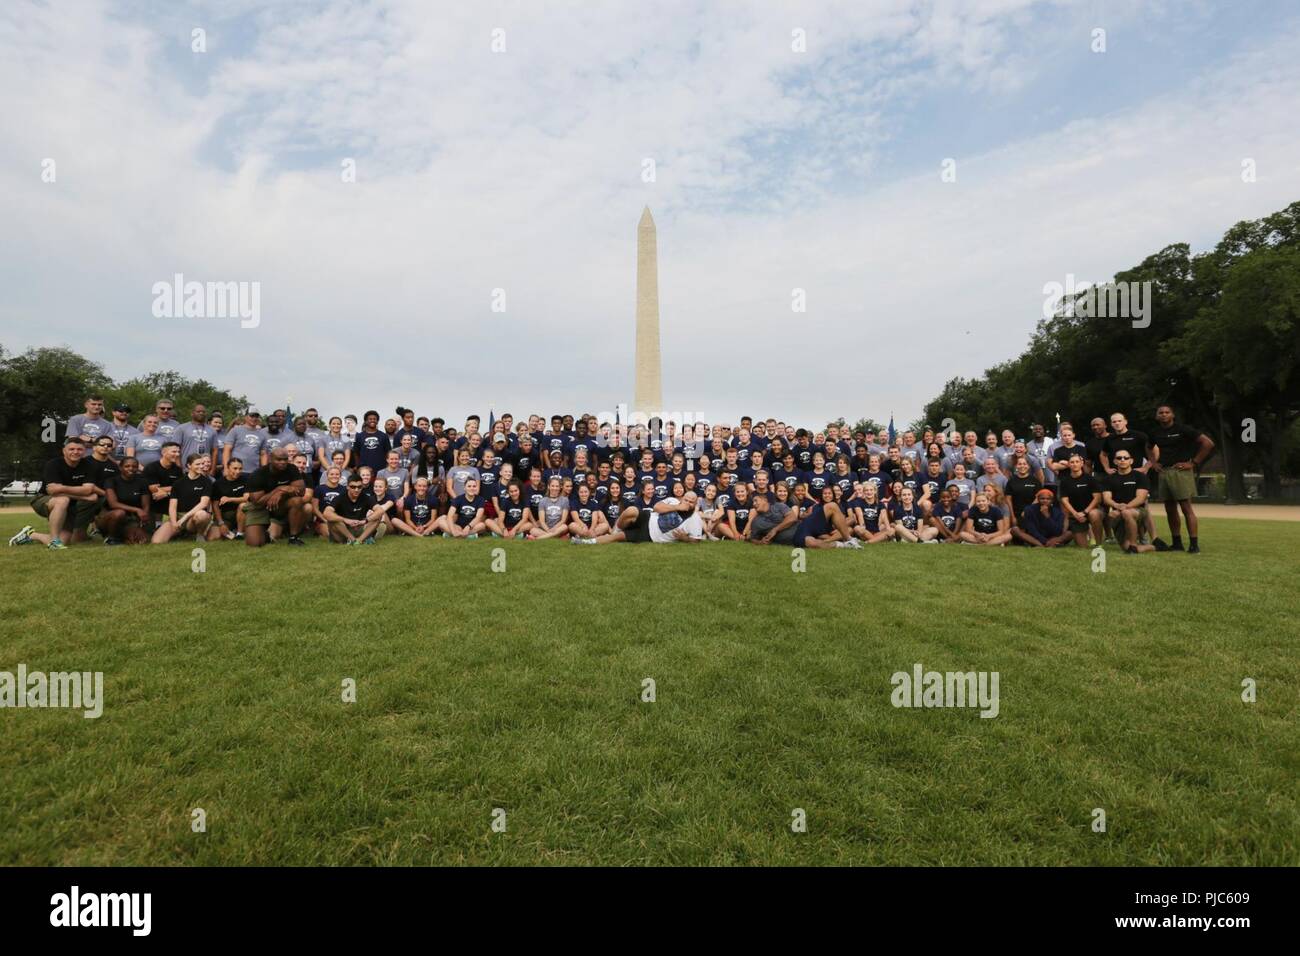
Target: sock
[1178,539]
[1193,540]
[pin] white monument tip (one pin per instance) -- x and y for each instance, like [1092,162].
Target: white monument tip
[646,218]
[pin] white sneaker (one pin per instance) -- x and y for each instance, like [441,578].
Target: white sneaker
[853,543]
[22,537]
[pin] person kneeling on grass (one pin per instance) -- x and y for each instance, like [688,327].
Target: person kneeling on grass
[985,524]
[465,517]
[353,518]
[1124,495]
[193,494]
[1042,524]
[66,494]
[276,495]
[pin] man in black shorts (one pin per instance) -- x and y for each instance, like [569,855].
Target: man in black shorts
[1177,453]
[160,475]
[229,494]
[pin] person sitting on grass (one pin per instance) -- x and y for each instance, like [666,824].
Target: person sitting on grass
[352,517]
[771,521]
[985,524]
[1042,524]
[908,519]
[586,519]
[948,516]
[824,525]
[465,519]
[514,517]
[419,516]
[552,512]
[66,490]
[189,502]
[125,517]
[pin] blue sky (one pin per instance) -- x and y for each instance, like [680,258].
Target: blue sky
[522,170]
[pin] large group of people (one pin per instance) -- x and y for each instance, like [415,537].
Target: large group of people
[591,482]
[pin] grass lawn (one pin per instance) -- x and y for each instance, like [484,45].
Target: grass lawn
[522,690]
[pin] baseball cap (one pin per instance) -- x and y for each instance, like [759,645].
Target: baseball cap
[252,410]
[121,407]
[498,437]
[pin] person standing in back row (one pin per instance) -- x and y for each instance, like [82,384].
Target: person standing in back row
[1177,453]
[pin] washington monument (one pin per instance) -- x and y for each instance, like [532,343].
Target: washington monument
[648,397]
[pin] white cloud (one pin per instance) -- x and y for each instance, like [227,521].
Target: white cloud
[522,171]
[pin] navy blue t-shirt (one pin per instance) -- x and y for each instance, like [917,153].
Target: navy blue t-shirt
[985,522]
[463,508]
[420,512]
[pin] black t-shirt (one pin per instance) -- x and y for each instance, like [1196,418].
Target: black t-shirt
[345,507]
[156,474]
[1177,443]
[101,472]
[1124,488]
[1135,443]
[229,488]
[59,472]
[264,479]
[1095,447]
[128,492]
[1021,491]
[1077,491]
[188,492]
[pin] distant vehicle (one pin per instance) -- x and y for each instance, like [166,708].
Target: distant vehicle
[20,489]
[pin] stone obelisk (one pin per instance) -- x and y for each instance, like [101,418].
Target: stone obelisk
[648,397]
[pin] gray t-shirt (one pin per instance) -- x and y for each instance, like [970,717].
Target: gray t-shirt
[983,481]
[331,445]
[146,448]
[121,435]
[459,475]
[394,478]
[551,511]
[246,445]
[167,428]
[966,489]
[196,439]
[763,523]
[85,425]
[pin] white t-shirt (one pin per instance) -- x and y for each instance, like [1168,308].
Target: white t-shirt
[693,525]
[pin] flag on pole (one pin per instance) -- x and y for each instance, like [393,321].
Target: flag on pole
[891,428]
[492,420]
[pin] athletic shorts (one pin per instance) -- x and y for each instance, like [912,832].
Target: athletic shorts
[1177,485]
[1077,526]
[230,516]
[639,533]
[80,513]
[257,516]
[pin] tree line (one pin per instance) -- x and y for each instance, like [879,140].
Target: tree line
[50,385]
[1221,346]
